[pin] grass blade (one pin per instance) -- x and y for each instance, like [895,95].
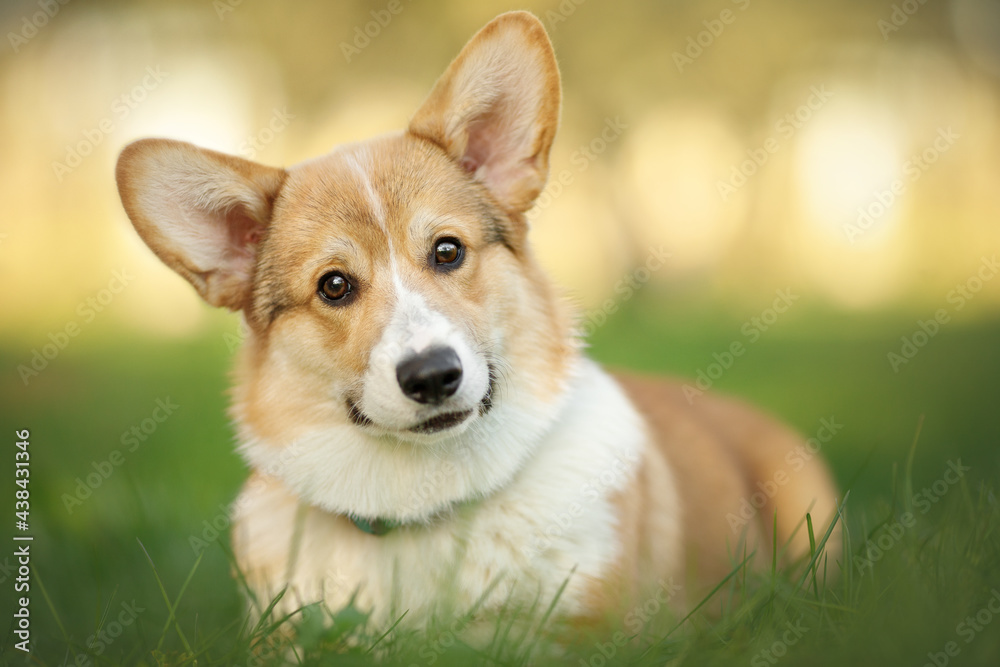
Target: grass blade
[171,607]
[701,604]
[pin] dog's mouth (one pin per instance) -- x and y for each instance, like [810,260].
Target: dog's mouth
[441,422]
[437,423]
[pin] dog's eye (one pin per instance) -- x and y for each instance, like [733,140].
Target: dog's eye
[334,287]
[448,253]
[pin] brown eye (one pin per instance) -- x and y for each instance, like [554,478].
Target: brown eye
[448,253]
[334,286]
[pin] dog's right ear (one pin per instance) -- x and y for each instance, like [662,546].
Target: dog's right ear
[203,213]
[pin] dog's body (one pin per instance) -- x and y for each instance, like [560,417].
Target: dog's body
[410,368]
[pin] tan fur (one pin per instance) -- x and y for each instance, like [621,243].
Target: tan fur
[472,161]
[718,448]
[651,541]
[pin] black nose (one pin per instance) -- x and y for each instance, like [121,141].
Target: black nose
[430,376]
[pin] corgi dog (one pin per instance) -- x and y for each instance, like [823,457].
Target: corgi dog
[413,398]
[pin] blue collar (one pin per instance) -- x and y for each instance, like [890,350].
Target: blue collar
[374,526]
[379,527]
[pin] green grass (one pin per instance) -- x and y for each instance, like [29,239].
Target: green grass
[129,542]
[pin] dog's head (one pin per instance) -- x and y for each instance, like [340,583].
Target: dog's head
[392,299]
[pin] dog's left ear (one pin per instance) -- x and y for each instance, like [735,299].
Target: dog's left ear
[496,108]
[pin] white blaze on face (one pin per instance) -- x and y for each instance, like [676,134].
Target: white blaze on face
[413,328]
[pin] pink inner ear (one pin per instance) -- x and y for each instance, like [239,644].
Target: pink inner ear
[243,230]
[484,143]
[469,164]
[497,151]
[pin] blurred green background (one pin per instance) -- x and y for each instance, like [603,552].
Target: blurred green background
[847,153]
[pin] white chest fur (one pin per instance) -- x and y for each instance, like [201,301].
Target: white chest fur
[553,515]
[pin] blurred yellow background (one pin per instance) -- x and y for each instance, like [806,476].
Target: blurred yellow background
[849,149]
